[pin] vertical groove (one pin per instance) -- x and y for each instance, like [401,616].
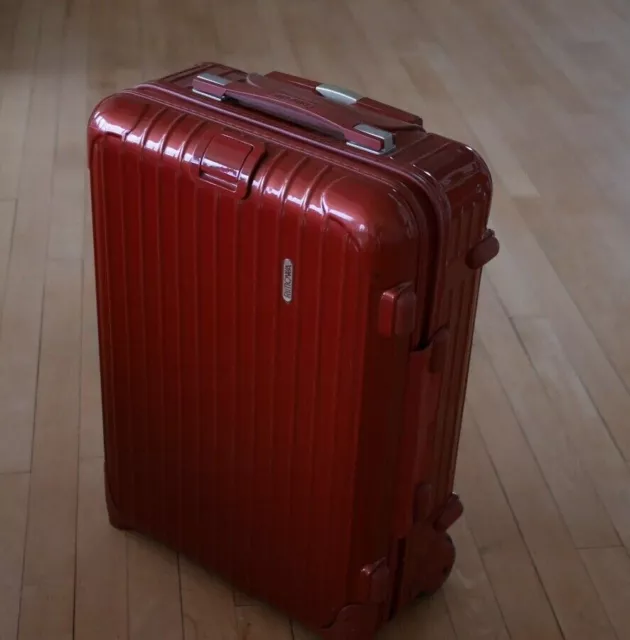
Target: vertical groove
[356,359]
[141,258]
[316,414]
[297,371]
[452,240]
[338,380]
[172,428]
[178,355]
[264,179]
[110,422]
[160,341]
[184,221]
[464,231]
[215,350]
[296,354]
[166,525]
[359,357]
[275,332]
[125,310]
[235,212]
[140,161]
[252,427]
[197,366]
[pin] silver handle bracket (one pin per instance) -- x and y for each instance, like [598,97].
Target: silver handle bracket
[211,78]
[338,94]
[386,136]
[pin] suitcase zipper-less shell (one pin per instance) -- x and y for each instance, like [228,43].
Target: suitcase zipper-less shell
[305,451]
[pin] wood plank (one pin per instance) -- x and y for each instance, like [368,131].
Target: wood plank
[541,89]
[588,433]
[101,584]
[558,564]
[506,559]
[7,218]
[49,567]
[527,283]
[68,197]
[610,571]
[208,605]
[282,55]
[13,511]
[594,250]
[154,591]
[471,602]
[259,622]
[581,507]
[18,83]
[427,618]
[8,25]
[22,310]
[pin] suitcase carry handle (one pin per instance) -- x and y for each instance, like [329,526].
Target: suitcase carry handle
[304,107]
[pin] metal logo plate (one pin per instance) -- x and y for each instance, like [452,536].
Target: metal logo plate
[287,280]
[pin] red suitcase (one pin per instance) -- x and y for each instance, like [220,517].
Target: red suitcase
[287,277]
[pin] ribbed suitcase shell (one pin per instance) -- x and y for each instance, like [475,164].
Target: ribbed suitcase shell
[292,426]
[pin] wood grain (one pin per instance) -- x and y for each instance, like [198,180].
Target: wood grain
[543,91]
[101,609]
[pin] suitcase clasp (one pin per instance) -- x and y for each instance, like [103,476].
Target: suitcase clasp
[229,162]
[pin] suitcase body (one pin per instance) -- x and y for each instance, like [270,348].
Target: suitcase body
[287,278]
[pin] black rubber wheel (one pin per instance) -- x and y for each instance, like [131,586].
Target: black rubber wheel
[447,569]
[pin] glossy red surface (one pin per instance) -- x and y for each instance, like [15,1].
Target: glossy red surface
[274,404]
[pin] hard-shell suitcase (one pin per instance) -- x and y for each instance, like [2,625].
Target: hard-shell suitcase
[287,277]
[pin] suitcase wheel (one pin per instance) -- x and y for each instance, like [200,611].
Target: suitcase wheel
[442,562]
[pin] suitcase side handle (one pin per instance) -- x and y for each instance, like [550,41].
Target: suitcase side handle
[307,108]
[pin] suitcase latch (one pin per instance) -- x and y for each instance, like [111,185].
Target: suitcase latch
[230,163]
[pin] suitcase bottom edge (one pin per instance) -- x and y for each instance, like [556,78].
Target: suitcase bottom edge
[361,621]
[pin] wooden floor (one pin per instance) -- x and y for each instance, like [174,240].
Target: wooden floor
[542,88]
